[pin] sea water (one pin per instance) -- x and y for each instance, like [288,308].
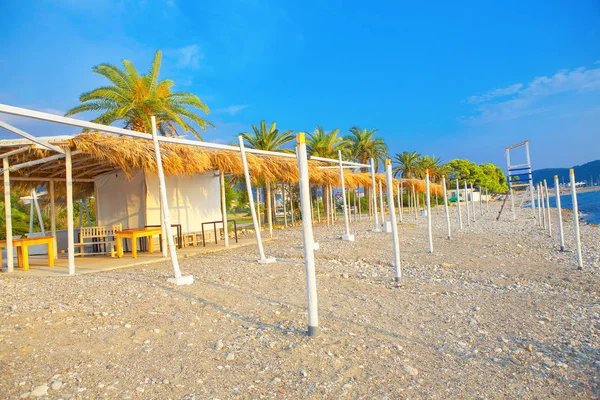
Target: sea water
[588,203]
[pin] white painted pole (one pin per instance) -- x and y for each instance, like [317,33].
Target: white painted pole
[415,203]
[467,205]
[401,207]
[307,232]
[548,209]
[393,220]
[473,202]
[261,252]
[576,219]
[376,227]
[53,219]
[446,207]
[178,279]
[460,222]
[398,199]
[285,219]
[349,237]
[224,208]
[10,263]
[539,206]
[163,232]
[70,224]
[561,236]
[381,205]
[258,212]
[428,202]
[359,205]
[528,159]
[39,211]
[318,207]
[487,200]
[480,201]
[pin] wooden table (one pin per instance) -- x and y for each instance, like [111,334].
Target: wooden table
[22,246]
[134,234]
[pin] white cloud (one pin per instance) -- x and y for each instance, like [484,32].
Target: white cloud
[507,91]
[231,110]
[186,57]
[526,99]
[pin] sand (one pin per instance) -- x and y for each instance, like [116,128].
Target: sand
[497,311]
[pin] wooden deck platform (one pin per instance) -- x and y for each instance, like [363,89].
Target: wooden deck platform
[38,265]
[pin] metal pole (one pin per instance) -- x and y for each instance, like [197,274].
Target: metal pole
[307,232]
[376,219]
[467,205]
[393,221]
[34,199]
[460,224]
[561,236]
[10,264]
[224,208]
[548,208]
[261,252]
[178,279]
[446,208]
[428,201]
[576,219]
[70,224]
[347,236]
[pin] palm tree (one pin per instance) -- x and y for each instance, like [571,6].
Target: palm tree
[267,139]
[131,98]
[431,164]
[326,145]
[406,163]
[364,146]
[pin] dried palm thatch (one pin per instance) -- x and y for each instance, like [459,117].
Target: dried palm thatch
[102,153]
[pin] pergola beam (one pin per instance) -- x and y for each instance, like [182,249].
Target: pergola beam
[40,161]
[27,136]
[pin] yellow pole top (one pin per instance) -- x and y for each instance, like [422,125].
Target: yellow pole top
[571,171]
[555,176]
[300,138]
[388,162]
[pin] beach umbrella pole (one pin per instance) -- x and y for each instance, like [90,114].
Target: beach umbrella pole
[393,221]
[386,226]
[376,227]
[401,205]
[467,204]
[473,202]
[460,222]
[548,208]
[428,203]
[261,251]
[446,207]
[70,223]
[348,236]
[307,233]
[576,219]
[561,235]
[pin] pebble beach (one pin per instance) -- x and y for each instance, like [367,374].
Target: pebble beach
[496,312]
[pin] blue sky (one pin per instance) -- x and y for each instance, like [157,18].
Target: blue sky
[456,80]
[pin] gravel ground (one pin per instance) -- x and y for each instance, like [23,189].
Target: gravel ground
[495,312]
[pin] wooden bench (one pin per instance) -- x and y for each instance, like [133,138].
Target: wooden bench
[22,246]
[100,236]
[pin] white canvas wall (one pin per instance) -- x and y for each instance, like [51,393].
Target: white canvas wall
[192,200]
[119,200]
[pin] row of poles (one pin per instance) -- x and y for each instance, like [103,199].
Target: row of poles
[544,220]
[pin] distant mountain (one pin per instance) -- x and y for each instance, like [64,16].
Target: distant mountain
[585,172]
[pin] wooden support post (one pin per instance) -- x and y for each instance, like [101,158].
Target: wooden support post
[393,221]
[70,224]
[53,218]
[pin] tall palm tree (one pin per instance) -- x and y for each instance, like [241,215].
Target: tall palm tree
[431,164]
[131,98]
[406,163]
[267,139]
[364,145]
[327,145]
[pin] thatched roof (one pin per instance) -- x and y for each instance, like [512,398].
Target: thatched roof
[102,153]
